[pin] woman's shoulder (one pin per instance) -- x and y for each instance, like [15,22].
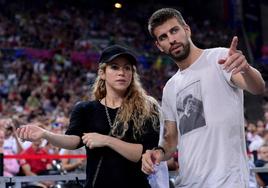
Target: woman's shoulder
[86,104]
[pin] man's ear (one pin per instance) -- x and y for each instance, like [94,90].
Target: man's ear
[158,46]
[187,30]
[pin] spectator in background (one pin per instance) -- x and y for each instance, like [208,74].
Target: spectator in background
[255,145]
[212,155]
[33,167]
[260,127]
[252,132]
[266,119]
[11,166]
[262,162]
[33,101]
[77,165]
[116,128]
[11,142]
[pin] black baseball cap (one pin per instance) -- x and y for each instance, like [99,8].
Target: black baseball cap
[114,51]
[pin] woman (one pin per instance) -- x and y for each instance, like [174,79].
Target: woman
[116,128]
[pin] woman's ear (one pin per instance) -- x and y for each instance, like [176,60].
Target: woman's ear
[101,74]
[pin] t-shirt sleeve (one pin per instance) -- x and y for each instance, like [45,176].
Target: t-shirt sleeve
[150,137]
[76,122]
[166,109]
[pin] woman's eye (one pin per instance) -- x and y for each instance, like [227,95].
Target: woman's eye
[114,67]
[128,68]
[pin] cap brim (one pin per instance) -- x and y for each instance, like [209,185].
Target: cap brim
[130,57]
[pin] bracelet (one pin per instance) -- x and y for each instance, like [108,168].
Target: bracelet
[160,148]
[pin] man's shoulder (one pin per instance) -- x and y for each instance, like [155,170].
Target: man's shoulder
[28,150]
[216,51]
[170,83]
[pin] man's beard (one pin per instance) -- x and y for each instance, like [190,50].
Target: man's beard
[183,54]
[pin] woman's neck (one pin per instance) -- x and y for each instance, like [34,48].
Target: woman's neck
[113,101]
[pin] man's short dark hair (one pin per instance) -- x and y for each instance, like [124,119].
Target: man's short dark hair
[162,15]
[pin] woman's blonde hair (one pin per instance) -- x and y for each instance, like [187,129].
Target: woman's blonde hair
[137,107]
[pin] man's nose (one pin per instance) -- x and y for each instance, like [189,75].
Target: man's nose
[171,39]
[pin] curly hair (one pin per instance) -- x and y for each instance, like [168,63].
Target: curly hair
[137,107]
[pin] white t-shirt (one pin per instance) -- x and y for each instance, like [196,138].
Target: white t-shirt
[11,144]
[256,143]
[208,111]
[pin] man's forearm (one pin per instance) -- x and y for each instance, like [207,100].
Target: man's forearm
[254,81]
[169,140]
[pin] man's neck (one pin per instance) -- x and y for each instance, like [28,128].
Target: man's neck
[195,53]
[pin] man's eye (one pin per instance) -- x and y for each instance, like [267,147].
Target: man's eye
[175,30]
[161,38]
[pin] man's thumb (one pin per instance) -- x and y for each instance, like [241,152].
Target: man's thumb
[221,61]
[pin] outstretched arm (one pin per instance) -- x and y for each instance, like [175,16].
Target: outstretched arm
[243,75]
[32,132]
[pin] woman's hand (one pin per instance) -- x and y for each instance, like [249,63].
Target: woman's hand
[31,132]
[95,140]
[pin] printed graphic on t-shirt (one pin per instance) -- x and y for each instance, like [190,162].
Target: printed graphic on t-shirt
[190,108]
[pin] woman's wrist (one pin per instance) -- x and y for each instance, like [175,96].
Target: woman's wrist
[45,134]
[108,141]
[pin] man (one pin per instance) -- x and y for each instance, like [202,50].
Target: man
[262,178]
[211,154]
[255,145]
[33,167]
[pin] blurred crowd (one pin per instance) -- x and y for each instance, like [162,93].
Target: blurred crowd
[44,88]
